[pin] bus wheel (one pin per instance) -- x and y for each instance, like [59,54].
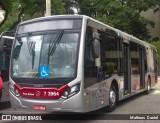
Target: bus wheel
[148,86]
[112,98]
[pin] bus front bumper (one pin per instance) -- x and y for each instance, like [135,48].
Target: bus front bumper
[72,104]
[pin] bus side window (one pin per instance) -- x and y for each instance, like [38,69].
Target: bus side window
[90,70]
[111,55]
[135,66]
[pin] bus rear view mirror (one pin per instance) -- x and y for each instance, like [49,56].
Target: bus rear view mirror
[96,48]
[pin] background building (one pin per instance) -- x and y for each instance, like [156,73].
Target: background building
[154,15]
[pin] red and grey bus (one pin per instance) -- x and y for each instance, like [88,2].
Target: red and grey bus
[6,40]
[75,63]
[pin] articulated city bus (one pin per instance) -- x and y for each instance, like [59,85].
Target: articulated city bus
[74,63]
[6,40]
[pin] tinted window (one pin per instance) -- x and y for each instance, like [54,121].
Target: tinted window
[90,70]
[134,58]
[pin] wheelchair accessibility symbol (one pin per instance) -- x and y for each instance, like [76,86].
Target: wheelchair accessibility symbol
[44,71]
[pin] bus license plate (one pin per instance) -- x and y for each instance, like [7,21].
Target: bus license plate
[39,107]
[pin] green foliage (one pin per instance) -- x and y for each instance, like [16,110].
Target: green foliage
[21,10]
[121,14]
[16,11]
[58,7]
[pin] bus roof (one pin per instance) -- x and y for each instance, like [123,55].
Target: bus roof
[117,31]
[123,34]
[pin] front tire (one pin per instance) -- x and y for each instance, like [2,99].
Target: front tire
[112,98]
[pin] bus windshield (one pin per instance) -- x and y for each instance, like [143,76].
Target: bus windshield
[45,55]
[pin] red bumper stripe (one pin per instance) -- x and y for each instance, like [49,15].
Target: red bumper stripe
[41,93]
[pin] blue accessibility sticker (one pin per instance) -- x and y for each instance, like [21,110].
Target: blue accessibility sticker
[44,72]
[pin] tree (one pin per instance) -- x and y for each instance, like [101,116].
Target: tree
[121,14]
[21,10]
[16,11]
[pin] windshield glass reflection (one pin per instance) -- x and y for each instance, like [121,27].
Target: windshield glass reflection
[34,57]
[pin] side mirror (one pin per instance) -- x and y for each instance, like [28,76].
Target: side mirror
[96,48]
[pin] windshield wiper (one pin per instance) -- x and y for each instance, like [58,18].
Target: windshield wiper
[53,44]
[33,56]
[31,48]
[17,49]
[30,44]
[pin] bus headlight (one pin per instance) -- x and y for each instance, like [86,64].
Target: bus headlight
[71,91]
[11,88]
[65,95]
[16,93]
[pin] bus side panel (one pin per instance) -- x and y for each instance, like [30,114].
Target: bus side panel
[97,96]
[135,86]
[74,103]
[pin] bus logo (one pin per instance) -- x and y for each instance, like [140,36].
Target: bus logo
[38,93]
[44,71]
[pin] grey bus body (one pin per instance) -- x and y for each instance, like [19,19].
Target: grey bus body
[74,63]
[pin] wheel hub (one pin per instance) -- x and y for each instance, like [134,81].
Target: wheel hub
[112,97]
[149,87]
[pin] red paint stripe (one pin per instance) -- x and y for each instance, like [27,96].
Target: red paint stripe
[41,93]
[1,83]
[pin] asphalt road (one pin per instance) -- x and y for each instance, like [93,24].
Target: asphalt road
[140,104]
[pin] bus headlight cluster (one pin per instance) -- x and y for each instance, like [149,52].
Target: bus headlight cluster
[13,90]
[71,91]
